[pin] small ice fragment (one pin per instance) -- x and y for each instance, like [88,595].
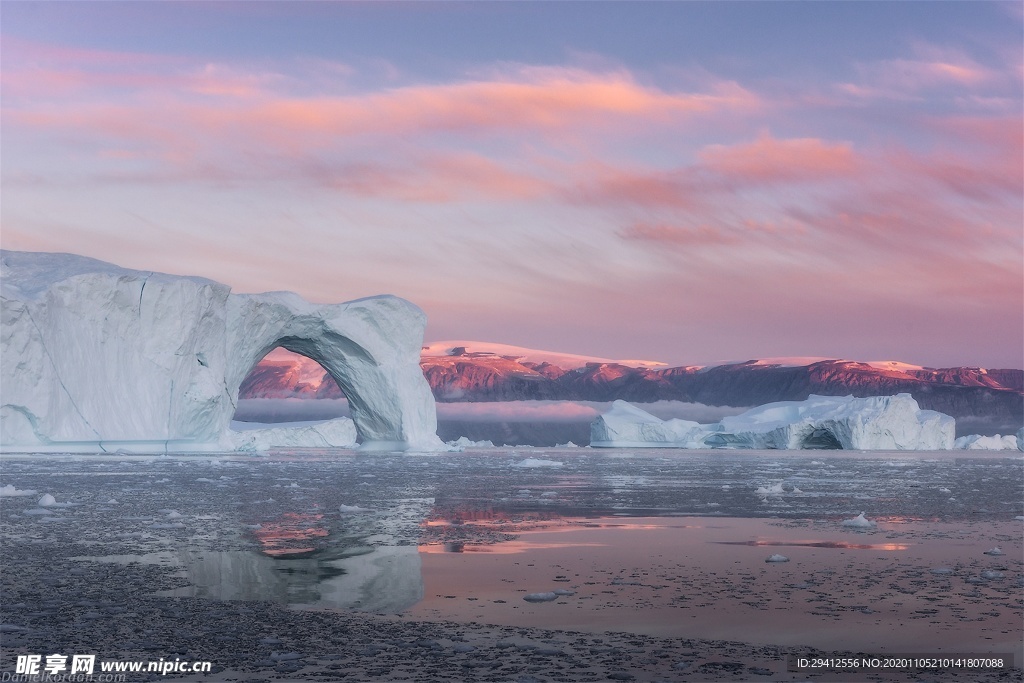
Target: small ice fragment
[859,522]
[562,591]
[46,501]
[540,597]
[943,489]
[174,514]
[112,501]
[1019,518]
[352,508]
[994,551]
[537,462]
[991,574]
[776,558]
[942,571]
[773,490]
[170,525]
[284,656]
[10,490]
[796,490]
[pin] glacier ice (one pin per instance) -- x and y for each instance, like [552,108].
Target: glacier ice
[626,426]
[841,422]
[337,433]
[98,357]
[977,442]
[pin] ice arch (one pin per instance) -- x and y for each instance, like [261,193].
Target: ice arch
[369,346]
[94,357]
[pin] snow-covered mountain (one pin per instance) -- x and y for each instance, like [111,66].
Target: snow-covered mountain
[982,400]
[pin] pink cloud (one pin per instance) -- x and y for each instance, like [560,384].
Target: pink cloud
[683,236]
[769,160]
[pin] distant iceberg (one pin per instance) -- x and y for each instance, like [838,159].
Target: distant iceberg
[820,422]
[977,442]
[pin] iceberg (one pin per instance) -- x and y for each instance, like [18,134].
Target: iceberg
[626,426]
[977,442]
[94,357]
[337,433]
[831,422]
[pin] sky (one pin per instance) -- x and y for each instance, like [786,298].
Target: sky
[686,182]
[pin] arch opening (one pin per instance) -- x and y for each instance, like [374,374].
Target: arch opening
[821,440]
[287,386]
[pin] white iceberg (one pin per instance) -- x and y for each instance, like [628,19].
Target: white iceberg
[977,442]
[46,501]
[626,426]
[859,522]
[337,433]
[776,558]
[838,422]
[462,443]
[157,360]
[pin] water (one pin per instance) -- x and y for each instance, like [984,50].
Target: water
[664,543]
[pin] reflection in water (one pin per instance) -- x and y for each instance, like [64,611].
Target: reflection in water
[291,534]
[384,579]
[823,544]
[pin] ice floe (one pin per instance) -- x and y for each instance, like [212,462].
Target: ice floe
[10,491]
[859,522]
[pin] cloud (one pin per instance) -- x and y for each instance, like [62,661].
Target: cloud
[768,160]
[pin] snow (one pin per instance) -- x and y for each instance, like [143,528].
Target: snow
[859,522]
[893,365]
[873,423]
[566,361]
[977,442]
[158,359]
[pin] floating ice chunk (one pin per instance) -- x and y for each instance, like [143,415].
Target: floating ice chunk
[977,442]
[463,442]
[540,597]
[991,574]
[537,462]
[943,489]
[284,656]
[174,514]
[112,501]
[773,490]
[563,591]
[942,571]
[9,490]
[349,509]
[204,479]
[994,551]
[796,490]
[567,444]
[859,522]
[170,525]
[46,501]
[1019,518]
[776,558]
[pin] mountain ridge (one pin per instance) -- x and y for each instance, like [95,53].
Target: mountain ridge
[981,399]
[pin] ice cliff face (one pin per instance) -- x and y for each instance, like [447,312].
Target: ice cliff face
[874,423]
[97,357]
